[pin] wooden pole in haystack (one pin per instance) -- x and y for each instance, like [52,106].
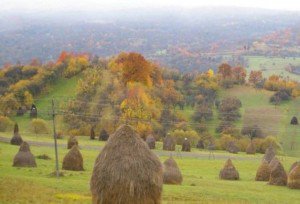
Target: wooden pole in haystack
[55,140]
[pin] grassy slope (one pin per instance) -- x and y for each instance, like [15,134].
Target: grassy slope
[201,183]
[273,65]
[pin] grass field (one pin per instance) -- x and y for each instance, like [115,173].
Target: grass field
[273,65]
[201,183]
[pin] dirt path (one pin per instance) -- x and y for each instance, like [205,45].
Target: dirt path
[200,155]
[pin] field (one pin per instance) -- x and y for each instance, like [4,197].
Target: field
[201,183]
[273,65]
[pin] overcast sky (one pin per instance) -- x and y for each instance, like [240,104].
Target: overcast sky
[58,5]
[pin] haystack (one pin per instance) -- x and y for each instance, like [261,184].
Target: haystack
[150,140]
[269,154]
[263,172]
[294,177]
[186,145]
[33,111]
[16,139]
[251,149]
[273,162]
[24,158]
[229,172]
[233,148]
[278,176]
[126,171]
[20,111]
[73,160]
[72,141]
[169,144]
[92,135]
[200,144]
[103,135]
[294,121]
[172,174]
[293,166]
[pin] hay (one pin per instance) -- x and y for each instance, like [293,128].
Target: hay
[263,172]
[126,171]
[186,146]
[229,172]
[150,140]
[278,176]
[92,135]
[294,177]
[251,149]
[269,154]
[33,111]
[172,174]
[200,144]
[73,160]
[293,166]
[24,158]
[72,141]
[273,162]
[169,144]
[16,139]
[103,135]
[232,148]
[294,121]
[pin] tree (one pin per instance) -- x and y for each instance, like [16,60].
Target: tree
[202,112]
[229,109]
[255,77]
[225,71]
[239,75]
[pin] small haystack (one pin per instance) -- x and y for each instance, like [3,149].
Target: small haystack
[92,135]
[233,148]
[103,135]
[229,172]
[172,174]
[251,149]
[278,176]
[273,162]
[269,154]
[200,144]
[73,160]
[169,144]
[294,121]
[294,177]
[16,139]
[150,140]
[72,141]
[186,145]
[126,171]
[24,158]
[293,166]
[263,172]
[33,111]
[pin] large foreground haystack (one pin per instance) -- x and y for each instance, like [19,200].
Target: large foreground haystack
[16,139]
[24,158]
[251,149]
[294,177]
[263,172]
[172,174]
[273,163]
[233,148]
[150,140]
[73,160]
[293,166]
[126,171]
[269,154]
[186,146]
[229,172]
[278,176]
[72,141]
[169,144]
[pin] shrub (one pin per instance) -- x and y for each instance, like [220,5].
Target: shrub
[39,126]
[225,140]
[243,143]
[5,124]
[252,131]
[267,142]
[179,136]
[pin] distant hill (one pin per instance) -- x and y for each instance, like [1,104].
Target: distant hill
[184,39]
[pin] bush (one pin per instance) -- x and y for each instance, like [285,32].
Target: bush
[225,140]
[179,136]
[269,141]
[39,126]
[243,143]
[252,131]
[5,124]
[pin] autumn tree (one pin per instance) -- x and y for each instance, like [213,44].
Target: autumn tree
[225,71]
[255,77]
[239,74]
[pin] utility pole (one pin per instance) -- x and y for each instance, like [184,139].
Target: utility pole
[55,139]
